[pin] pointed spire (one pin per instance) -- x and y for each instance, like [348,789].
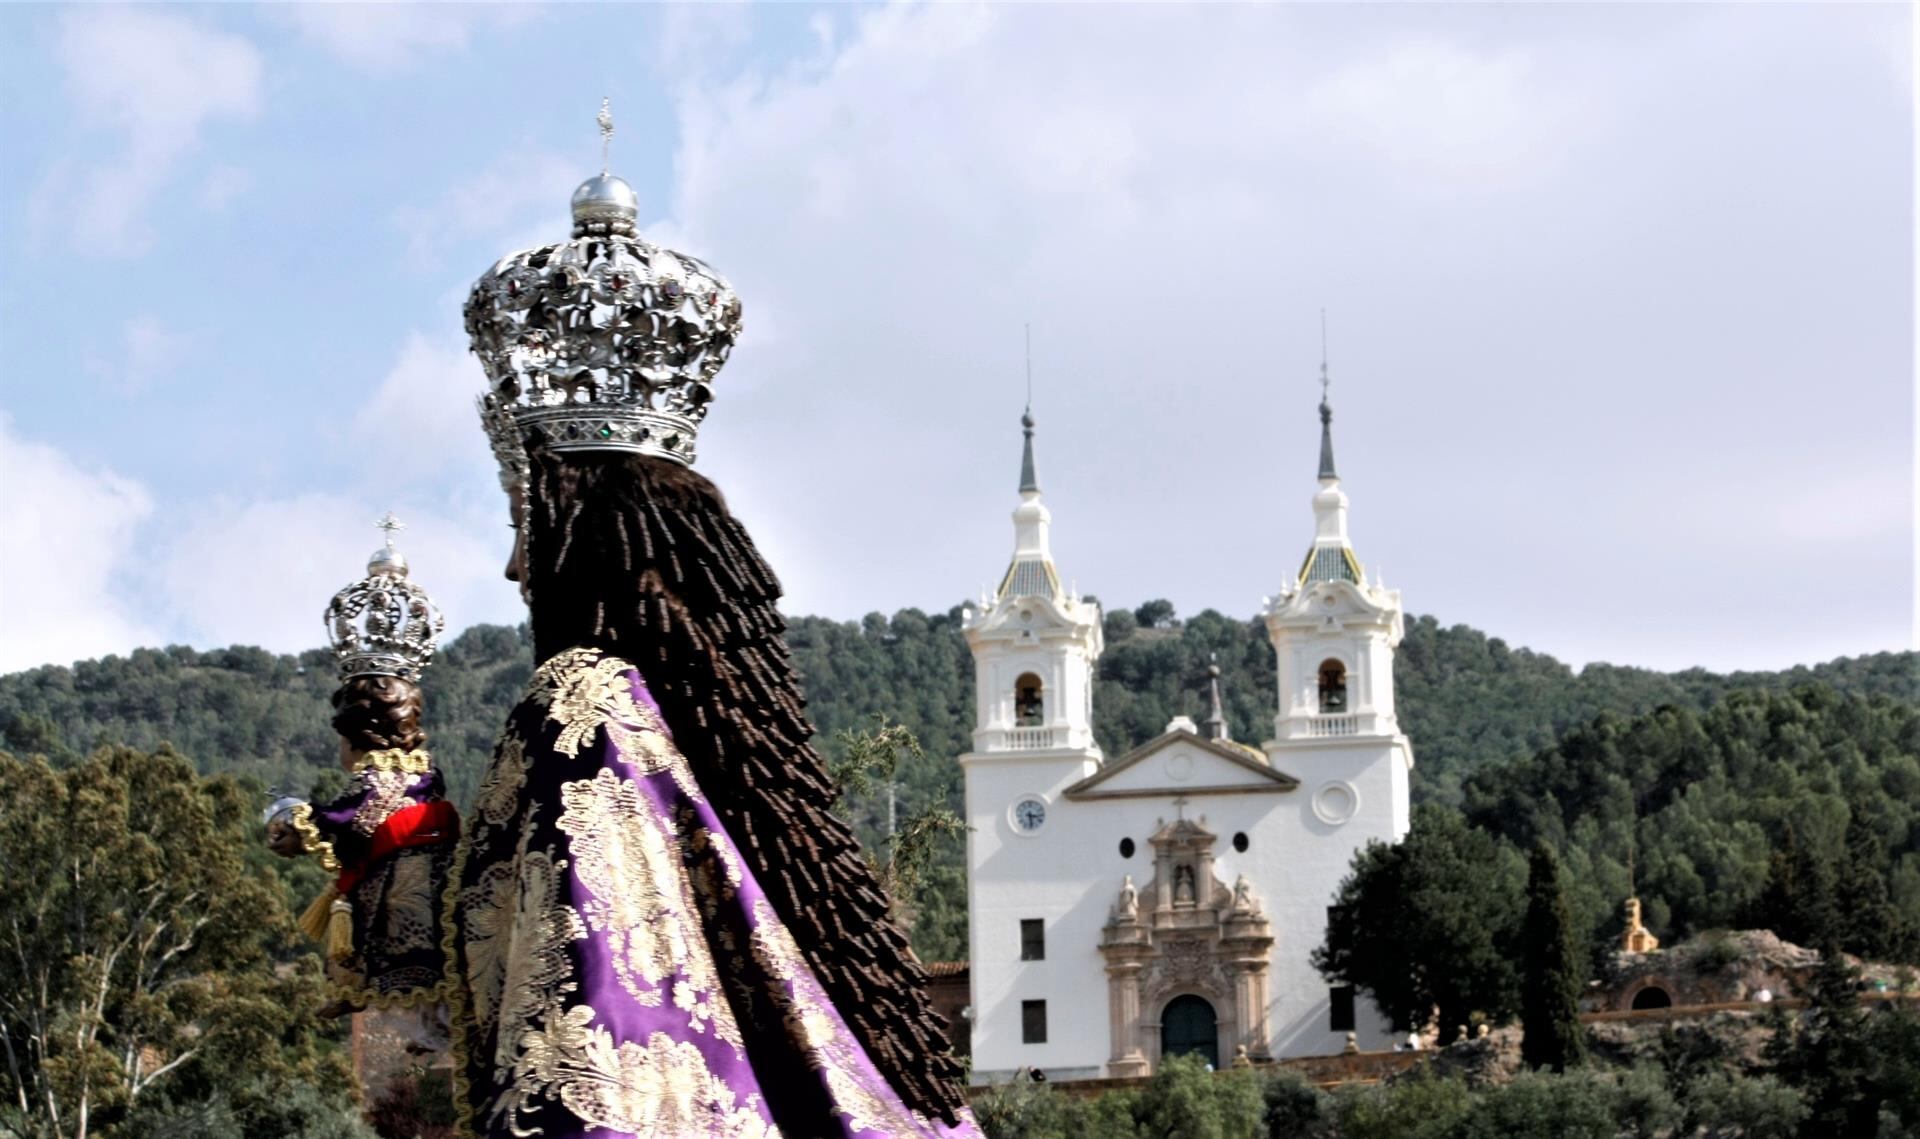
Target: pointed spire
[1214,727]
[1326,409]
[1029,482]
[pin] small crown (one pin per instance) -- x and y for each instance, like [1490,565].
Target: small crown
[604,342]
[384,624]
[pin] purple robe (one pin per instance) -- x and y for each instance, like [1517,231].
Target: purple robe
[397,958]
[621,972]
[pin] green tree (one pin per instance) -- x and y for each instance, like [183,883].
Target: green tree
[1867,922]
[1550,970]
[1538,1105]
[1828,1054]
[1423,1106]
[1426,927]
[1295,1109]
[1155,614]
[141,977]
[1022,1109]
[1895,1040]
[865,766]
[1731,1105]
[1185,1100]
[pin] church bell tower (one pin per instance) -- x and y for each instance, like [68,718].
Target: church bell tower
[1034,645]
[1334,636]
[1033,965]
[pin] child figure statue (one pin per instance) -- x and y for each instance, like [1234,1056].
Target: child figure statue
[390,837]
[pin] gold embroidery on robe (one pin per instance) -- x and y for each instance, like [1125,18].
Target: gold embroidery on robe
[662,1087]
[498,800]
[416,762]
[640,899]
[862,1096]
[386,793]
[584,691]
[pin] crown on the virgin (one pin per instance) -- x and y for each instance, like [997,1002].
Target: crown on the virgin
[384,624]
[603,342]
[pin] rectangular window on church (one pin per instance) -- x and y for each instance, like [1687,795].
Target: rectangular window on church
[1033,1022]
[1033,940]
[1341,1001]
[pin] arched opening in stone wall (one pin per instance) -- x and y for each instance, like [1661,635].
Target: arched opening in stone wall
[1653,996]
[1333,686]
[1189,1027]
[1029,710]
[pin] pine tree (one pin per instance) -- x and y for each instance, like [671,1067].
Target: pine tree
[1550,970]
[1869,925]
[1831,1058]
[1812,918]
[1773,909]
[1797,903]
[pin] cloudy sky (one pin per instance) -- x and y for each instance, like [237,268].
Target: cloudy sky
[1621,301]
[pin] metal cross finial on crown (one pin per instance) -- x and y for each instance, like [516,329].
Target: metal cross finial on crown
[384,624]
[605,119]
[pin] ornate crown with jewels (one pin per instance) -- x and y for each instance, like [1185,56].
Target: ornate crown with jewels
[384,624]
[604,342]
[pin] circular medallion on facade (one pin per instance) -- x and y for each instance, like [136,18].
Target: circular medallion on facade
[1335,803]
[1179,766]
[1028,814]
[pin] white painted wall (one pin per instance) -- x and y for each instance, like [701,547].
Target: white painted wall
[1069,873]
[1353,789]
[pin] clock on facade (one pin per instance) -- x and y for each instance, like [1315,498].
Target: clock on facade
[1029,815]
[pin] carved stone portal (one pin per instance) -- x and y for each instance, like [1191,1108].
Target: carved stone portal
[1185,934]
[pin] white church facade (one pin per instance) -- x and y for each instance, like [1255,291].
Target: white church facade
[1168,900]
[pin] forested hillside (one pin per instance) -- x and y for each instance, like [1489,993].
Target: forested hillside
[1469,702]
[1466,699]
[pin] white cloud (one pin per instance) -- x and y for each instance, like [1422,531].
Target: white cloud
[222,185]
[1437,111]
[1502,211]
[421,419]
[159,78]
[393,37]
[69,533]
[148,350]
[260,571]
[498,203]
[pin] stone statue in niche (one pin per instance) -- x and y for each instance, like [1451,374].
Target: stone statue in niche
[1183,885]
[1128,908]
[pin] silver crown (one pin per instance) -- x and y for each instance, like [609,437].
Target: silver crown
[384,624]
[604,342]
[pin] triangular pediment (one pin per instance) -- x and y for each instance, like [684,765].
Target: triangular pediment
[1182,763]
